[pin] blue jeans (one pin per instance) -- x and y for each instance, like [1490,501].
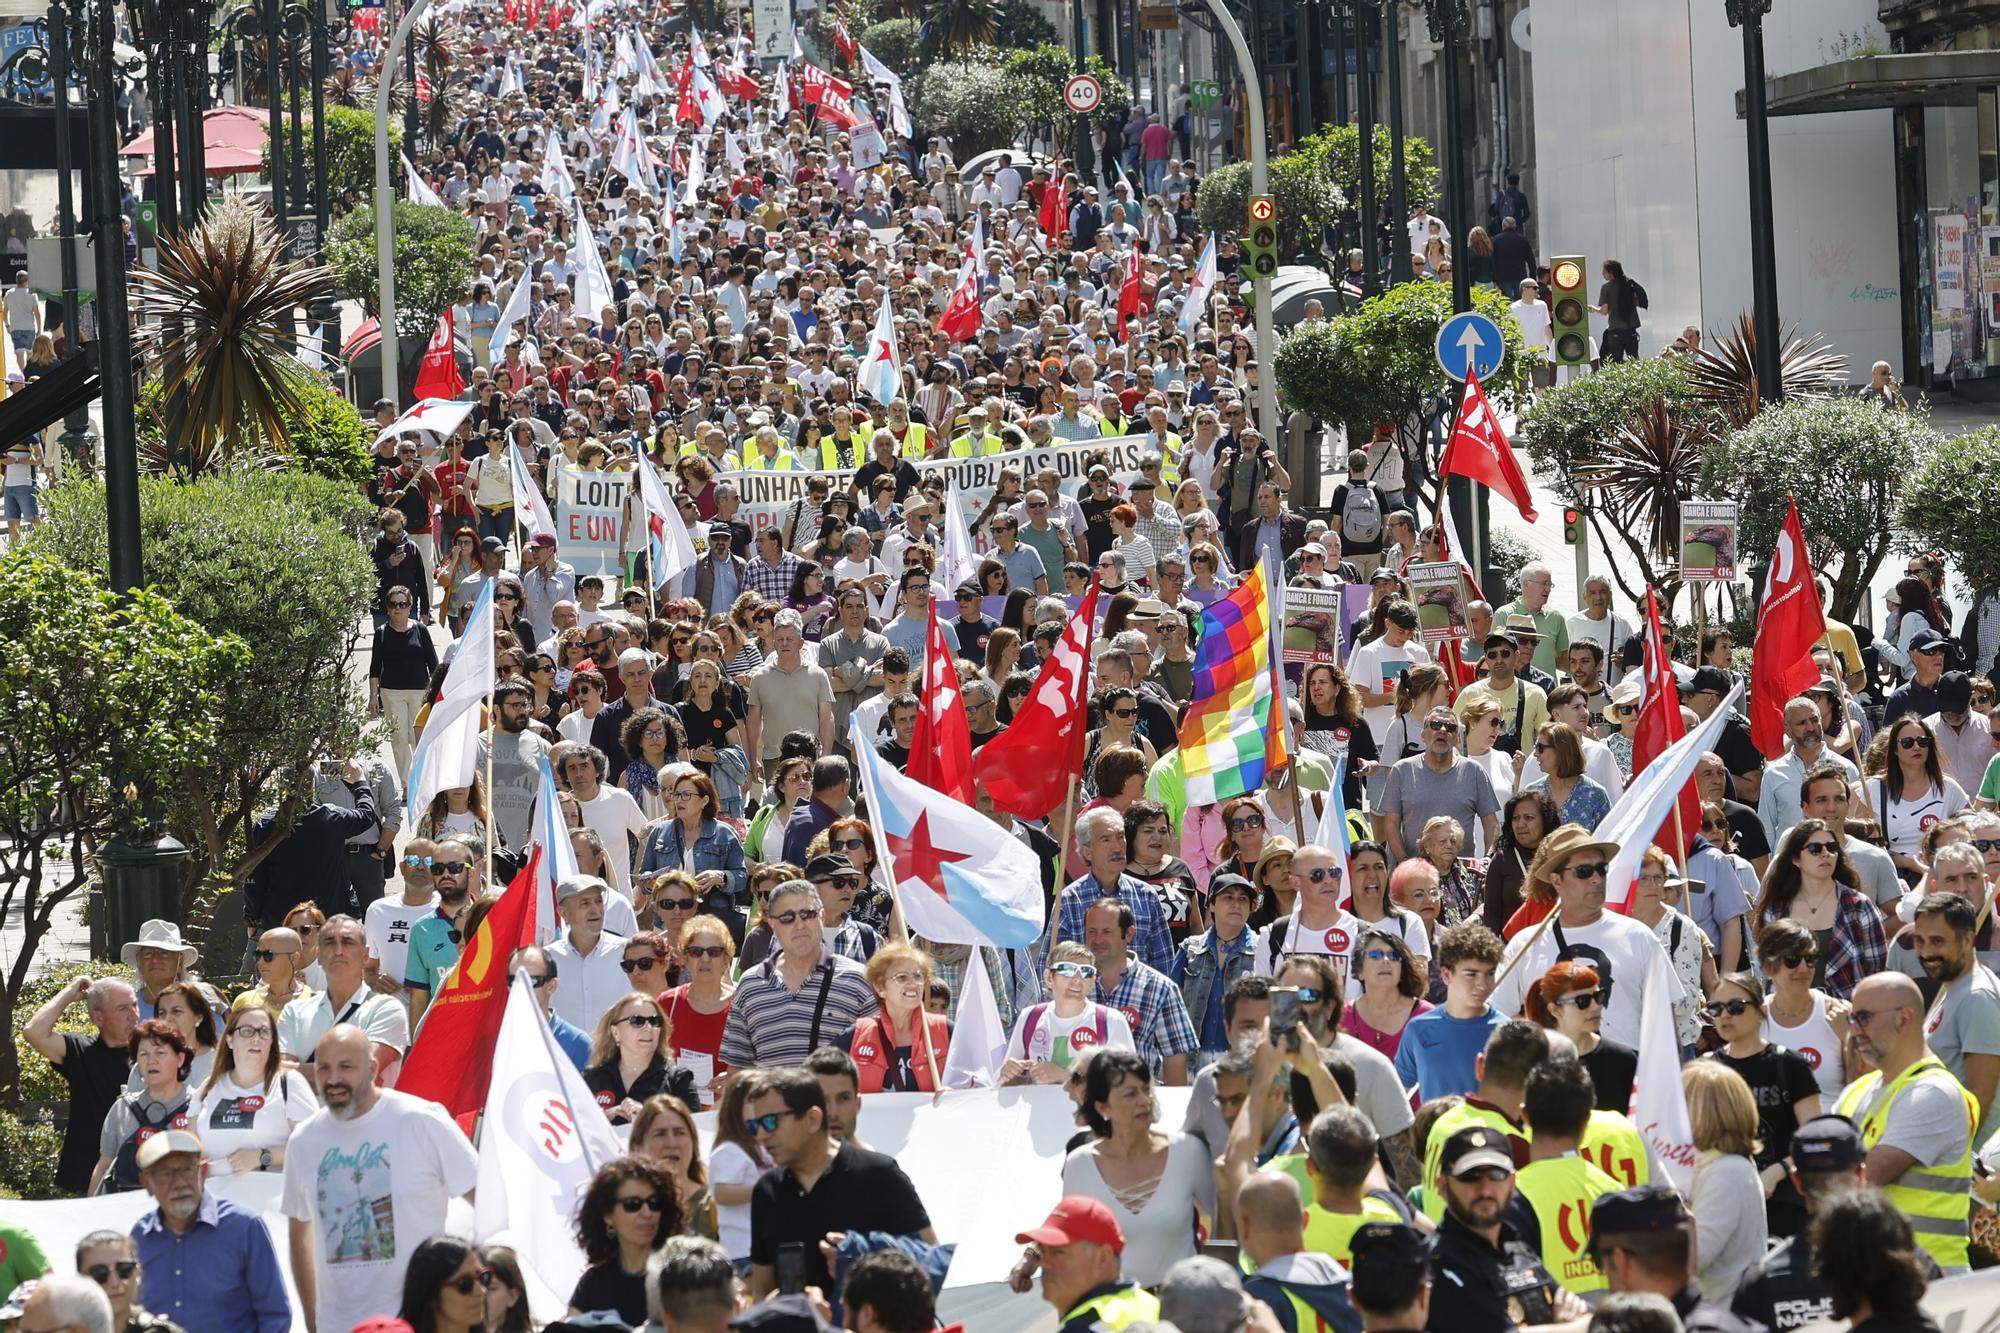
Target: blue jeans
[497,523]
[23,339]
[1156,175]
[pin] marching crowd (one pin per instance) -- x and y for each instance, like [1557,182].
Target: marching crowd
[1408,1023]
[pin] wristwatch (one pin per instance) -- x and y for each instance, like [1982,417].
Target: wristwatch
[264,1159]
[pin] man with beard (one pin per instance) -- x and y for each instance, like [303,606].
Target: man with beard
[367,1179]
[435,939]
[1963,1027]
[1489,1278]
[518,755]
[206,1262]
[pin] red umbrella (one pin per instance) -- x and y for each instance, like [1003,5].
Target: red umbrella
[242,127]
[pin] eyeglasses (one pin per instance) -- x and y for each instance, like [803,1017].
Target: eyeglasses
[847,844]
[764,1124]
[101,1273]
[796,915]
[1588,870]
[1582,1001]
[1073,971]
[1309,994]
[1383,956]
[1821,848]
[1913,743]
[419,862]
[632,1203]
[705,951]
[674,904]
[273,955]
[466,1283]
[642,1020]
[1243,822]
[1798,960]
[630,965]
[1734,1008]
[1443,728]
[260,1032]
[451,867]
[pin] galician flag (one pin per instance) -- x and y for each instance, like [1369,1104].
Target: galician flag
[555,859]
[446,754]
[593,284]
[960,879]
[533,508]
[669,549]
[1201,286]
[881,375]
[512,313]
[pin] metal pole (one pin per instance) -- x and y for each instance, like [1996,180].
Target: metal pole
[1366,13]
[1260,183]
[1399,189]
[75,438]
[274,18]
[1084,174]
[114,327]
[166,129]
[325,313]
[1448,24]
[1749,15]
[178,42]
[1340,50]
[385,268]
[1312,13]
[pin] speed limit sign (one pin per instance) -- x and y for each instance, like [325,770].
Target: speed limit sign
[1082,93]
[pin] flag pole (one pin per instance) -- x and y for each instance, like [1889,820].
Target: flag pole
[492,730]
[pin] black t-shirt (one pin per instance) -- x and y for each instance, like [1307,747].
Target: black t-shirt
[1739,754]
[1331,735]
[708,726]
[96,1074]
[1097,534]
[973,634]
[903,470]
[1746,830]
[1779,1079]
[1612,1068]
[607,1286]
[859,1191]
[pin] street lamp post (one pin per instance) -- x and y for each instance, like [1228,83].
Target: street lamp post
[1449,22]
[1749,16]
[385,198]
[74,442]
[1260,183]
[1399,189]
[1367,14]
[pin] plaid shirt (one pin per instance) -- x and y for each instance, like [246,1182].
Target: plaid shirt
[773,582]
[1152,1005]
[1151,940]
[1024,983]
[1859,948]
[1162,529]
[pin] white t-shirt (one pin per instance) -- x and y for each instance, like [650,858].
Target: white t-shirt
[1917,811]
[1533,317]
[388,925]
[728,1164]
[1060,1040]
[1286,936]
[234,1115]
[1635,955]
[21,306]
[1377,667]
[374,1188]
[617,818]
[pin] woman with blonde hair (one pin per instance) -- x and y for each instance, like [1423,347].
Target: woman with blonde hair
[664,1132]
[1728,1237]
[698,1010]
[628,1058]
[900,1048]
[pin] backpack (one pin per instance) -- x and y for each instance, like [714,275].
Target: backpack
[1361,516]
[1639,298]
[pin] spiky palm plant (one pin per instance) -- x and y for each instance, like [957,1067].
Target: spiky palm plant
[218,308]
[344,87]
[1724,374]
[958,25]
[434,58]
[1640,478]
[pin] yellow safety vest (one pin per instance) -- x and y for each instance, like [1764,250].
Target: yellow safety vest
[1111,427]
[1613,1145]
[916,440]
[782,461]
[989,444]
[1170,461]
[829,453]
[1459,1117]
[1332,1233]
[1118,1309]
[1562,1190]
[1937,1199]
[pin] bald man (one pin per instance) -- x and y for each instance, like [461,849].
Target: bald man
[1305,1289]
[367,1179]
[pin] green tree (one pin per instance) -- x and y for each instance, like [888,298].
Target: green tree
[1337,151]
[322,432]
[1307,203]
[894,43]
[1844,461]
[1380,364]
[1952,504]
[1021,23]
[1041,71]
[272,559]
[350,150]
[972,102]
[109,702]
[434,259]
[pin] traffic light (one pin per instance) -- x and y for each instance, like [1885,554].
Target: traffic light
[1260,237]
[1569,310]
[1572,526]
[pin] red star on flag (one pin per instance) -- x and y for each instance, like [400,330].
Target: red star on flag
[916,857]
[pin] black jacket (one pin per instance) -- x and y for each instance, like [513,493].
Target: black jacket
[310,865]
[407,574]
[663,1075]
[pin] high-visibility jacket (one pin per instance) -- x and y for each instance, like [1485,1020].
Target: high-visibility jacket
[1614,1146]
[916,439]
[989,444]
[1562,1191]
[782,461]
[1111,427]
[1461,1116]
[1938,1198]
[1332,1233]
[1118,1308]
[829,453]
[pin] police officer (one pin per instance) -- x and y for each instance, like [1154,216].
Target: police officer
[1643,1240]
[1488,1279]
[1781,1291]
[1078,1248]
[1392,1278]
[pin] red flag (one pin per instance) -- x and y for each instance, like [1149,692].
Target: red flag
[1660,725]
[1479,451]
[1131,293]
[962,313]
[1054,217]
[843,41]
[438,377]
[451,1060]
[1027,768]
[687,111]
[941,749]
[513,10]
[735,83]
[1789,622]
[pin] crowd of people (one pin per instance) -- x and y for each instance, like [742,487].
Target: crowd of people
[1387,976]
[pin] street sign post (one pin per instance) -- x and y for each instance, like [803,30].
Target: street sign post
[1470,343]
[1082,93]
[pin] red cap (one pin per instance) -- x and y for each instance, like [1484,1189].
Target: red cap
[1076,1218]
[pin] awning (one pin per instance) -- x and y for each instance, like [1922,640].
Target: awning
[244,127]
[1875,83]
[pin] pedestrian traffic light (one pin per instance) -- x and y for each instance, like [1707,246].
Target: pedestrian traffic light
[1573,526]
[1260,237]
[1569,311]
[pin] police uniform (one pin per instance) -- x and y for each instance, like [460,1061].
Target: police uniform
[1482,1286]
[1653,1208]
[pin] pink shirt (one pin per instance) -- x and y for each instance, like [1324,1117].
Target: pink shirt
[1156,141]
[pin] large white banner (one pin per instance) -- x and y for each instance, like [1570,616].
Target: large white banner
[590,516]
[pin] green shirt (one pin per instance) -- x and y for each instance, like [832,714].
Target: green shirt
[1554,627]
[433,952]
[21,1258]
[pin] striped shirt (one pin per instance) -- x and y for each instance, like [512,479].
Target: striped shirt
[772,1025]
[1152,1005]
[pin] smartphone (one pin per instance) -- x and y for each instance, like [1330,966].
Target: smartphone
[792,1268]
[1284,1014]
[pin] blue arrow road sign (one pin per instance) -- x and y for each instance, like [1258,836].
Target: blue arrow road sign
[1470,340]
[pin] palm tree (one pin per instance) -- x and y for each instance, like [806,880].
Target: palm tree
[1723,375]
[219,309]
[1638,481]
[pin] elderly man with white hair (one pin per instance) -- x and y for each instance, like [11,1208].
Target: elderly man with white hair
[67,1303]
[1100,838]
[801,994]
[1536,583]
[588,955]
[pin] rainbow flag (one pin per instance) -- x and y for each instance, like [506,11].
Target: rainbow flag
[1233,732]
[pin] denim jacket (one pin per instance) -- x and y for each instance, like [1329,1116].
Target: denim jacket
[716,847]
[1194,969]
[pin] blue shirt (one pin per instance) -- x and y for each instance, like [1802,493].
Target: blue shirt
[1152,941]
[1214,1031]
[722,591]
[1438,1053]
[575,1042]
[221,1277]
[432,952]
[912,636]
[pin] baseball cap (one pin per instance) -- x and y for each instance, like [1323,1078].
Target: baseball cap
[1711,680]
[493,545]
[1476,1146]
[1392,1243]
[1220,882]
[1499,636]
[1077,1218]
[1827,1143]
[1382,573]
[1954,692]
[542,541]
[165,1144]
[1926,640]
[720,531]
[1203,1295]
[828,865]
[1313,548]
[1631,1212]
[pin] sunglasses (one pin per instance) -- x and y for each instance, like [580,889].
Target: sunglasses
[1493,1174]
[642,1020]
[848,844]
[1734,1008]
[1821,848]
[1309,994]
[1582,1001]
[1073,971]
[273,955]
[1383,956]
[1125,714]
[419,862]
[1589,870]
[630,965]
[451,867]
[1246,822]
[705,951]
[674,904]
[796,915]
[101,1273]
[466,1283]
[764,1124]
[1319,874]
[1798,960]
[632,1203]
[1913,743]
[1450,729]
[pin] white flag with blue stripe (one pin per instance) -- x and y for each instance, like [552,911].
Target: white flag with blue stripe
[448,751]
[1201,286]
[881,374]
[558,859]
